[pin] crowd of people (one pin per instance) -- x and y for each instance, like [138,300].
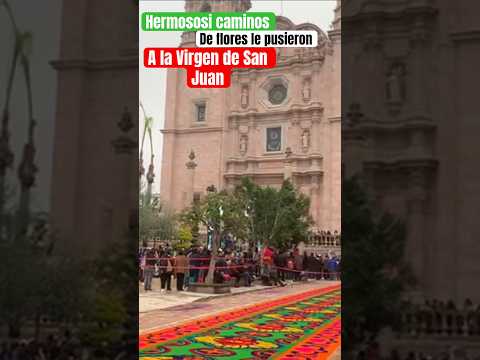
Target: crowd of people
[270,266]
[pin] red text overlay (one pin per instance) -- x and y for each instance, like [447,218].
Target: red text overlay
[209,68]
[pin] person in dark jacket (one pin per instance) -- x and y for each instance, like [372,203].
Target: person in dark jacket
[282,264]
[166,269]
[221,272]
[311,266]
[298,258]
[273,271]
[195,263]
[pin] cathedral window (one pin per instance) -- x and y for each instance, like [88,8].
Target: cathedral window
[274,139]
[201,110]
[277,94]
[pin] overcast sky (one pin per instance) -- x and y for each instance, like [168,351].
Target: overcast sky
[152,81]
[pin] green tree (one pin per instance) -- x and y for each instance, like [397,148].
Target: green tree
[113,302]
[156,220]
[223,212]
[374,273]
[185,238]
[35,282]
[276,217]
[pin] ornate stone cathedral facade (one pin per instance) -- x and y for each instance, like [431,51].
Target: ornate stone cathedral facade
[270,125]
[405,138]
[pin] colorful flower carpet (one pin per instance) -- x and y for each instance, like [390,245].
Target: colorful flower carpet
[300,326]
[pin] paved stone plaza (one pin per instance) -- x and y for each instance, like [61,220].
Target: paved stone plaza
[158,310]
[155,300]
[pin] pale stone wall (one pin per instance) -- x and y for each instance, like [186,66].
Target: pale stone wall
[420,152]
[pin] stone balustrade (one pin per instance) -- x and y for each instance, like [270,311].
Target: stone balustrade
[326,239]
[438,319]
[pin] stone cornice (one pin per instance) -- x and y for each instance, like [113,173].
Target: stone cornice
[382,10]
[305,62]
[253,174]
[387,126]
[97,64]
[235,175]
[281,157]
[192,130]
[465,35]
[297,110]
[401,164]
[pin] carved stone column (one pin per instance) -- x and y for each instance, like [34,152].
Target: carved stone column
[297,87]
[416,242]
[253,92]
[417,143]
[235,91]
[314,198]
[417,88]
[373,51]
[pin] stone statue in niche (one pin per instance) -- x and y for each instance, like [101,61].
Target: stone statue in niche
[396,83]
[305,139]
[243,144]
[244,98]
[307,90]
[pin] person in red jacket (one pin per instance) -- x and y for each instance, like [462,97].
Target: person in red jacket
[267,256]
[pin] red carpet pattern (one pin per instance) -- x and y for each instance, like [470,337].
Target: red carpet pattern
[300,326]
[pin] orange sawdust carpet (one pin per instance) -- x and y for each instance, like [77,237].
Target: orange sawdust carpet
[300,326]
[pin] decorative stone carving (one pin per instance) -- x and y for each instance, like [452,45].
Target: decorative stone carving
[191,164]
[125,123]
[243,144]
[305,140]
[354,115]
[396,84]
[307,90]
[243,129]
[315,182]
[245,97]
[288,152]
[123,144]
[417,181]
[306,124]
